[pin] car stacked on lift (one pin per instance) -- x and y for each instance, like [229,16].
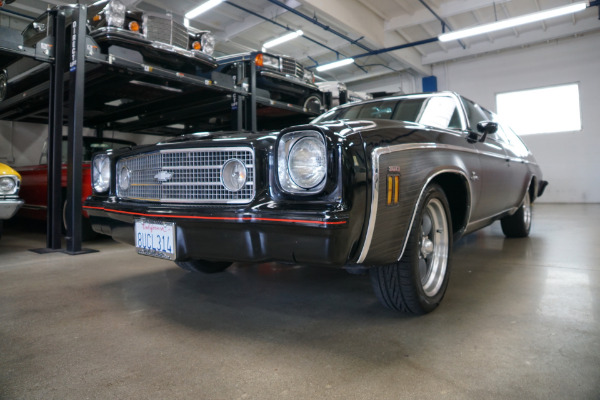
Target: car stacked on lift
[161,41]
[278,77]
[386,184]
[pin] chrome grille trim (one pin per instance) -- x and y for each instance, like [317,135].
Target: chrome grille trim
[186,176]
[165,30]
[292,67]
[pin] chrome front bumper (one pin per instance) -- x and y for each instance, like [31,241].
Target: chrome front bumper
[9,207]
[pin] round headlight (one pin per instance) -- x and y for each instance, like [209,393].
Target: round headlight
[124,178]
[208,43]
[8,185]
[233,175]
[101,173]
[307,162]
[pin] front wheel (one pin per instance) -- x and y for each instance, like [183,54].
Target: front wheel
[87,232]
[518,225]
[417,283]
[207,267]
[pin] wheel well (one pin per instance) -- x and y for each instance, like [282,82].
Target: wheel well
[533,188]
[455,188]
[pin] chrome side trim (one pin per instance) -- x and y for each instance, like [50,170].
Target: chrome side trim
[375,156]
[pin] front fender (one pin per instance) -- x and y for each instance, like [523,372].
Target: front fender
[408,168]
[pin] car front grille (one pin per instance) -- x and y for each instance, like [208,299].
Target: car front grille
[165,30]
[292,67]
[185,176]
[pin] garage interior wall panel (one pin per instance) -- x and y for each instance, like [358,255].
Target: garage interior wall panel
[400,82]
[569,160]
[21,143]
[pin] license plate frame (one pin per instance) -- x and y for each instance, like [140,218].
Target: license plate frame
[155,238]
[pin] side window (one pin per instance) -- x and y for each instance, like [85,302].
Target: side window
[440,112]
[475,114]
[515,141]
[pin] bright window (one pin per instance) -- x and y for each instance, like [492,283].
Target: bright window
[544,110]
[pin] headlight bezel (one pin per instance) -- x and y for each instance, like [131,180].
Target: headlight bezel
[15,182]
[287,179]
[101,173]
[115,14]
[271,62]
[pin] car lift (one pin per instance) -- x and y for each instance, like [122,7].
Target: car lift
[117,91]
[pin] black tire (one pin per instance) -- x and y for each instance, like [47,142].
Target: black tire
[417,283]
[207,267]
[518,225]
[3,84]
[87,233]
[313,104]
[1,226]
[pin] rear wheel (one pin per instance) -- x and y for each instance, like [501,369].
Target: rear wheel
[518,225]
[417,283]
[207,267]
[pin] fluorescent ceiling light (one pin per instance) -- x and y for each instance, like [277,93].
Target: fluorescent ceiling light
[335,64]
[202,8]
[282,39]
[512,22]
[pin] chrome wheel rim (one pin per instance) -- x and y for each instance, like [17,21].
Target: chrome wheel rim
[527,211]
[433,247]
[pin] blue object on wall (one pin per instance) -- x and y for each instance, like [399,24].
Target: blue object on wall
[430,84]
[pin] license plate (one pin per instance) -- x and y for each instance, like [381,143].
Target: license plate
[155,239]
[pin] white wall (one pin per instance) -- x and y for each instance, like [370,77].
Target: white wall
[570,161]
[400,82]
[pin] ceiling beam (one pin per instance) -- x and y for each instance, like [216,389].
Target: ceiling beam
[445,10]
[524,39]
[356,17]
[251,21]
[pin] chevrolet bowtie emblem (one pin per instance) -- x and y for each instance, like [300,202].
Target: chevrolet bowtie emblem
[163,176]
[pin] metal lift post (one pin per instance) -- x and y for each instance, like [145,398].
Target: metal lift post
[55,124]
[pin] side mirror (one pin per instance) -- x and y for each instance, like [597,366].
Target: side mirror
[487,127]
[484,128]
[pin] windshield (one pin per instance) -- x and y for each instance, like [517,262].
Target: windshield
[437,111]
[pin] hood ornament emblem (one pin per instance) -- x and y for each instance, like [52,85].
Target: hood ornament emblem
[163,176]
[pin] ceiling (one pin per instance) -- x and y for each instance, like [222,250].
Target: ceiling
[349,28]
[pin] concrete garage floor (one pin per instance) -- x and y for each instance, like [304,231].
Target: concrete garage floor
[521,320]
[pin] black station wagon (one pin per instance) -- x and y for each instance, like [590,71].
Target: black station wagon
[385,185]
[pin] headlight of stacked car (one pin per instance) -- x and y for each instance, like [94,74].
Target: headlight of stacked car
[9,185]
[115,13]
[264,60]
[203,41]
[302,162]
[101,173]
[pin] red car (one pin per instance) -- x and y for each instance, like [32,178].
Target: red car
[34,185]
